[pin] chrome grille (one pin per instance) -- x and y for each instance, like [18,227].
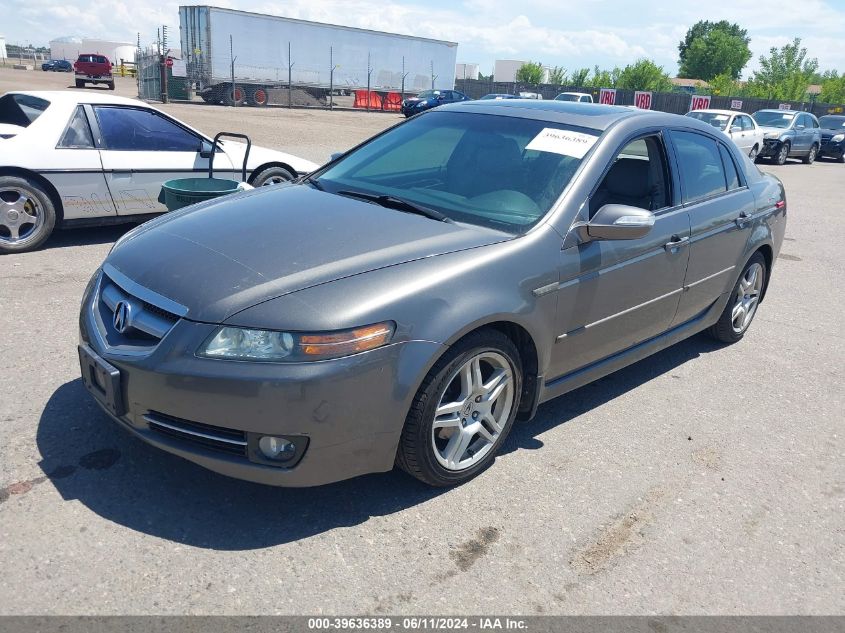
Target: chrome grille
[141,323]
[215,437]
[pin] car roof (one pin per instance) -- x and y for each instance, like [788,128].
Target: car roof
[588,115]
[77,96]
[783,111]
[716,111]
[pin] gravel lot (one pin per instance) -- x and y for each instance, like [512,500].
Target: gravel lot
[704,479]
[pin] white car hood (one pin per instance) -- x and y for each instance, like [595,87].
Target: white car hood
[261,156]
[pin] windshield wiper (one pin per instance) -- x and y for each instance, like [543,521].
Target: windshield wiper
[392,202]
[311,180]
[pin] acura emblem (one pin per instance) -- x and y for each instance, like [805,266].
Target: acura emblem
[122,314]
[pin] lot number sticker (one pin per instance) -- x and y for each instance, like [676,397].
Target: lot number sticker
[564,142]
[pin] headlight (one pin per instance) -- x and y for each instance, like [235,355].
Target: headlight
[235,343]
[838,137]
[421,104]
[771,135]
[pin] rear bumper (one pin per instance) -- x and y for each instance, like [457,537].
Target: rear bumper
[94,78]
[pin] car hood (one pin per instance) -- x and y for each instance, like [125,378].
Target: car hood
[765,129]
[833,130]
[224,256]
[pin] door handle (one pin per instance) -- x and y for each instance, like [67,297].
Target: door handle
[742,219]
[676,242]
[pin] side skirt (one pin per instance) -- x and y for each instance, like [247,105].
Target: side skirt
[111,220]
[580,377]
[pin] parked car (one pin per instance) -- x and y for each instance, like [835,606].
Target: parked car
[740,127]
[833,137]
[407,302]
[70,158]
[581,97]
[530,95]
[499,96]
[57,65]
[93,68]
[789,133]
[431,99]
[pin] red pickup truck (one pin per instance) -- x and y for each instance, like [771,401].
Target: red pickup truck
[93,68]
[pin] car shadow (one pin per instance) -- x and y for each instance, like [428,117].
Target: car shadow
[88,458]
[87,235]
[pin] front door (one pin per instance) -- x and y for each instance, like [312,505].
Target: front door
[614,294]
[141,149]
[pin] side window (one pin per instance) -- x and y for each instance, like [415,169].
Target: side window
[814,122]
[585,99]
[136,129]
[730,168]
[77,133]
[804,120]
[638,177]
[701,168]
[747,122]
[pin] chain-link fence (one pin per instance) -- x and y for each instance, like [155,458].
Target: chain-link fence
[676,102]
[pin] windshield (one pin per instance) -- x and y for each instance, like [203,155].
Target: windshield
[428,94]
[773,119]
[567,97]
[716,120]
[832,122]
[495,171]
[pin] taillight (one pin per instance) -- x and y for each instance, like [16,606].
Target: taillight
[780,204]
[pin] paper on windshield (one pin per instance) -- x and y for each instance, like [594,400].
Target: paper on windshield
[574,144]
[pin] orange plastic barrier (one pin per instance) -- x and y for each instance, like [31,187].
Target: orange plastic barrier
[361,100]
[393,102]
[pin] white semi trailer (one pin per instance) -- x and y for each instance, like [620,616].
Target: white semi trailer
[237,56]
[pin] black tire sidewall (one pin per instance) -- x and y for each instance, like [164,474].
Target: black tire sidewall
[433,472]
[269,172]
[47,206]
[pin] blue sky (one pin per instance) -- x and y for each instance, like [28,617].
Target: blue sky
[565,33]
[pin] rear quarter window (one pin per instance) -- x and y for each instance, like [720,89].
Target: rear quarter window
[20,109]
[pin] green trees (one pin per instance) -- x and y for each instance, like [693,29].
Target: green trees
[713,48]
[557,76]
[833,87]
[643,74]
[785,73]
[530,73]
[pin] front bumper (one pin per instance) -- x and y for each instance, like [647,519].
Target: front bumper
[351,410]
[832,150]
[770,148]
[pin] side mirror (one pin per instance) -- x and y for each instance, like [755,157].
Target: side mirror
[619,222]
[335,156]
[206,149]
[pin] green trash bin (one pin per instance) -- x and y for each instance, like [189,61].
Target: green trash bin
[182,192]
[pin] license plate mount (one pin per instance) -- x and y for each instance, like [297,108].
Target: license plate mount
[102,380]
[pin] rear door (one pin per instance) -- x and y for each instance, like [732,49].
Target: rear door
[141,149]
[720,206]
[614,294]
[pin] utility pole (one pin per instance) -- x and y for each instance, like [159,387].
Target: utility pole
[332,68]
[232,57]
[404,74]
[290,79]
[433,77]
[369,73]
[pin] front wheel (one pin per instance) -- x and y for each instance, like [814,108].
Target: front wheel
[272,176]
[753,153]
[463,411]
[811,155]
[742,305]
[783,154]
[27,215]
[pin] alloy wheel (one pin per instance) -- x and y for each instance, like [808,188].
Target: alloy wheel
[747,298]
[21,216]
[783,154]
[473,411]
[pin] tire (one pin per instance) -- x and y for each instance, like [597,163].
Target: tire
[111,85]
[272,176]
[258,97]
[424,451]
[753,153]
[234,97]
[811,155]
[22,200]
[733,322]
[841,158]
[80,83]
[782,155]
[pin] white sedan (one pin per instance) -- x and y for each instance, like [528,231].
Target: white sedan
[742,129]
[77,158]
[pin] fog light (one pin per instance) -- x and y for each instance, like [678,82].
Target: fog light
[276,448]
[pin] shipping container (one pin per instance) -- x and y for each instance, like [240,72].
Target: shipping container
[236,56]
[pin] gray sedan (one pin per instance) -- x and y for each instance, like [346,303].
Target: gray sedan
[412,299]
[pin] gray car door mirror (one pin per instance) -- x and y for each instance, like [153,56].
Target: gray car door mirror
[620,222]
[205,149]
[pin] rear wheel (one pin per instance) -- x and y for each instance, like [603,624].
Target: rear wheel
[27,215]
[811,155]
[742,306]
[79,83]
[258,97]
[463,411]
[111,85]
[234,97]
[783,154]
